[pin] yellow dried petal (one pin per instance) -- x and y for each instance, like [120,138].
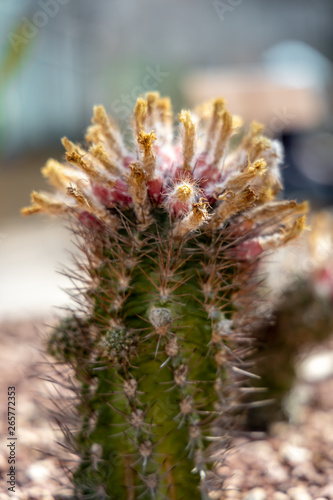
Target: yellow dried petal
[140,114]
[55,173]
[188,139]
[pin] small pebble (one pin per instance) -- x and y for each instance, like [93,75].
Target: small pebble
[275,472]
[255,494]
[316,367]
[299,493]
[38,472]
[39,493]
[214,495]
[295,455]
[300,396]
[327,491]
[307,471]
[278,495]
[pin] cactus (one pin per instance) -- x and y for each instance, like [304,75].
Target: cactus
[302,316]
[302,319]
[172,231]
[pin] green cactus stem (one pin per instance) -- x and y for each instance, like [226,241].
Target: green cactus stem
[172,232]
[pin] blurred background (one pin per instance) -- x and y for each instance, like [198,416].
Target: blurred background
[272,61]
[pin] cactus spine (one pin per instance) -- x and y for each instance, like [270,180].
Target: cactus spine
[172,233]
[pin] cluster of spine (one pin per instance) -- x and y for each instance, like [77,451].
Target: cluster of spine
[172,230]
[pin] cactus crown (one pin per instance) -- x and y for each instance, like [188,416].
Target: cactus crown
[197,182]
[172,232]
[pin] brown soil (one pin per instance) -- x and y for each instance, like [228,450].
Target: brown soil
[294,461]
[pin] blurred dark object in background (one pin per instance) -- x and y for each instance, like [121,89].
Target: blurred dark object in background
[309,162]
[288,91]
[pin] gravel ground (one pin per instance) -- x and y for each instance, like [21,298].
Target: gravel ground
[293,462]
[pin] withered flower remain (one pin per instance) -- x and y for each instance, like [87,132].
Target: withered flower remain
[198,168]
